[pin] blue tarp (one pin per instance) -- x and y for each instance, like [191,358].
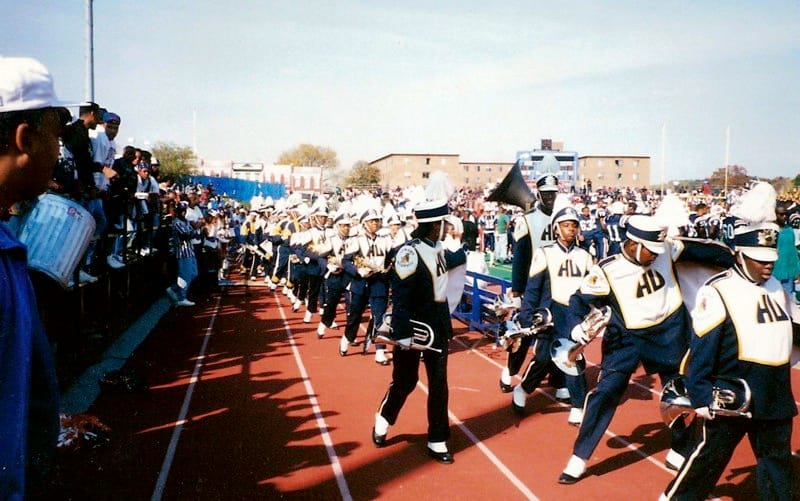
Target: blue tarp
[240,189]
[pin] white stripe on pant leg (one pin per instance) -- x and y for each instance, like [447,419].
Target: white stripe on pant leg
[688,463]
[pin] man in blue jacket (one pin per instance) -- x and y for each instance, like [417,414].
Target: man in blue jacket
[31,121]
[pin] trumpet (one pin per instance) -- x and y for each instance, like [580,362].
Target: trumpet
[321,248]
[513,332]
[568,355]
[504,307]
[364,262]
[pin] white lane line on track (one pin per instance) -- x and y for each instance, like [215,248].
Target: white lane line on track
[624,442]
[519,484]
[163,475]
[344,489]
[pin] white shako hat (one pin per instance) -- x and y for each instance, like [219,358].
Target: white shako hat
[369,215]
[431,211]
[563,210]
[648,232]
[547,182]
[757,237]
[394,218]
[566,214]
[758,241]
[343,217]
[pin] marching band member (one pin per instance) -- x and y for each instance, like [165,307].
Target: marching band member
[419,284]
[297,265]
[649,325]
[556,273]
[531,231]
[366,266]
[337,279]
[251,232]
[315,256]
[396,232]
[743,324]
[280,241]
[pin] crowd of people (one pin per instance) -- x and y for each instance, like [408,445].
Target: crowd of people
[403,251]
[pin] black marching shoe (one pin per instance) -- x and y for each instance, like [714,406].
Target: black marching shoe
[442,457]
[378,440]
[567,479]
[505,388]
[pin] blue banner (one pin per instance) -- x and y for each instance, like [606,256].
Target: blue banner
[240,189]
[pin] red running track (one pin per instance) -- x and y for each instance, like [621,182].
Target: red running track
[272,412]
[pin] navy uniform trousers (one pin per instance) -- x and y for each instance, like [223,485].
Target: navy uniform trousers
[405,374]
[768,438]
[335,288]
[375,295]
[618,365]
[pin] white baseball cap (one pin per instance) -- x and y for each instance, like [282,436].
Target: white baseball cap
[25,84]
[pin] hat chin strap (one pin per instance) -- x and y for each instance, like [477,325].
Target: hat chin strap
[639,252]
[743,266]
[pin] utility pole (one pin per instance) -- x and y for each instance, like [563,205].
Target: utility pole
[89,92]
[663,154]
[727,156]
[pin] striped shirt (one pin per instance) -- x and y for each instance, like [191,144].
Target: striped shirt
[182,235]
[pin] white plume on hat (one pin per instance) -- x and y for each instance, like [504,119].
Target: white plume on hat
[756,205]
[439,187]
[562,200]
[414,195]
[549,165]
[362,203]
[672,214]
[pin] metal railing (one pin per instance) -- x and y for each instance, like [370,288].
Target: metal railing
[475,309]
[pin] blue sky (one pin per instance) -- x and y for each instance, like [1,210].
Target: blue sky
[368,78]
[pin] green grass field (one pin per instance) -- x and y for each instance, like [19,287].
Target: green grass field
[500,270]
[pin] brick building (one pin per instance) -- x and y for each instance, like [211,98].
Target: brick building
[614,171]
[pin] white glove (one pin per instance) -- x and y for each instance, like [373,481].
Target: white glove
[364,272]
[307,260]
[705,413]
[333,268]
[579,336]
[405,343]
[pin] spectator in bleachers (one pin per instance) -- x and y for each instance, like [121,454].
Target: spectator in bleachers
[104,150]
[146,208]
[119,207]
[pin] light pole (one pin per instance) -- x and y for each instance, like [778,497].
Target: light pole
[89,51]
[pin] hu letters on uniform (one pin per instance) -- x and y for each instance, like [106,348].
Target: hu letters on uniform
[769,311]
[650,282]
